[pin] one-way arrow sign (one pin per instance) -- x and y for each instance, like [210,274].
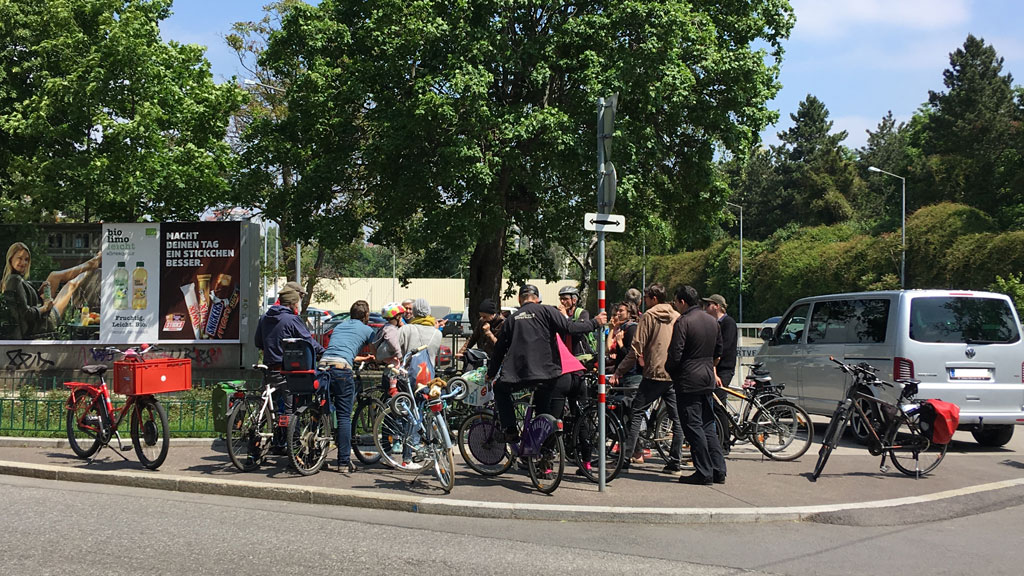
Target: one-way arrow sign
[604,222]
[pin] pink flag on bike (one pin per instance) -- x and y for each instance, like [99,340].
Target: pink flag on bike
[569,362]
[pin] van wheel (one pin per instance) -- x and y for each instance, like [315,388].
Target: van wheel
[858,427]
[993,436]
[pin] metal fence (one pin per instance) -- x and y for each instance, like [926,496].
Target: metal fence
[36,406]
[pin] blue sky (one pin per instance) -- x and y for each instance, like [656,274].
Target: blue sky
[862,58]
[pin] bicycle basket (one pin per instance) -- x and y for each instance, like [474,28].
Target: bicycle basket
[479,391]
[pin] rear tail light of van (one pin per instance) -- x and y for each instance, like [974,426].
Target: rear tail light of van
[902,369]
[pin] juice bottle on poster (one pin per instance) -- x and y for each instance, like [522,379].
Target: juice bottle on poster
[140,279]
[121,287]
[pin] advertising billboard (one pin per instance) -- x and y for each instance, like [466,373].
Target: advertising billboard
[176,282]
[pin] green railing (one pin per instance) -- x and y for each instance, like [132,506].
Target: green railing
[33,406]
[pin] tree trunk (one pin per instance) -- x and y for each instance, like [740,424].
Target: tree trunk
[485,268]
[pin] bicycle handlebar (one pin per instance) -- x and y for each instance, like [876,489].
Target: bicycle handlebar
[863,369]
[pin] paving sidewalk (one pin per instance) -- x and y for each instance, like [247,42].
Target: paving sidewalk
[757,489]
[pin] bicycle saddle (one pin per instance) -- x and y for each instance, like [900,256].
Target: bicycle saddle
[94,369]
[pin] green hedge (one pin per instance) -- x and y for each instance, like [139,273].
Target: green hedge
[948,246]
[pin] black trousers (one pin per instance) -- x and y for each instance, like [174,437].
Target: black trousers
[726,375]
[698,414]
[548,398]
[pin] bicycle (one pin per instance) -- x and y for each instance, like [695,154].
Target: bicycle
[656,429]
[92,420]
[484,447]
[370,402]
[413,427]
[583,421]
[775,425]
[251,424]
[896,432]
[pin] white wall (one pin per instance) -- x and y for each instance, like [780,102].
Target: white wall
[439,292]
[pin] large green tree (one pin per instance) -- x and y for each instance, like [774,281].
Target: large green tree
[471,123]
[818,173]
[887,148]
[971,135]
[101,119]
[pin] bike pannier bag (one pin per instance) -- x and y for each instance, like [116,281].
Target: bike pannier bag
[940,419]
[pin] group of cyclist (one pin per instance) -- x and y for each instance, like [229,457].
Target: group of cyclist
[668,353]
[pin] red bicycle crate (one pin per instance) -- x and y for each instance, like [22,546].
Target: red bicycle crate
[152,376]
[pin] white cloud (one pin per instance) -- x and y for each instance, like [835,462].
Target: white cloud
[831,19]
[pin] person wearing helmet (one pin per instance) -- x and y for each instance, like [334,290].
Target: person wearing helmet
[342,354]
[388,347]
[568,303]
[528,355]
[386,342]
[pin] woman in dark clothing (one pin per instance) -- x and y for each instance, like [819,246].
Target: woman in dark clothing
[31,311]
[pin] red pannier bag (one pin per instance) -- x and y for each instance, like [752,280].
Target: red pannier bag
[940,419]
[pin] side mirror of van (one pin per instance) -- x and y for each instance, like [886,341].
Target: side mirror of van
[766,333]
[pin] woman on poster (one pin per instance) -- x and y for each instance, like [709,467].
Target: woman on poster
[31,312]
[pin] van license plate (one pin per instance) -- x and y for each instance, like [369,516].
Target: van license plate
[970,374]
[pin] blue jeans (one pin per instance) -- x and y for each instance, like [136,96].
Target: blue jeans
[343,396]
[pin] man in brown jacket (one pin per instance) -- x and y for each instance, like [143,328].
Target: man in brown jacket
[650,350]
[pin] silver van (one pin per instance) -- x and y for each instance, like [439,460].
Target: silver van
[965,347]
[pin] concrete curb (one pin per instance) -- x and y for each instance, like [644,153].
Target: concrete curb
[896,511]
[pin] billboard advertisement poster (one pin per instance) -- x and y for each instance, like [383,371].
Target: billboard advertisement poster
[200,280]
[130,257]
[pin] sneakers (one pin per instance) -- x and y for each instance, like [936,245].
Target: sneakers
[585,469]
[718,478]
[671,468]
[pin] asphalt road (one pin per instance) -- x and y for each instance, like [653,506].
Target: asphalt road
[72,528]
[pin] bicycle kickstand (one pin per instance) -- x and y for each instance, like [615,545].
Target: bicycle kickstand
[882,467]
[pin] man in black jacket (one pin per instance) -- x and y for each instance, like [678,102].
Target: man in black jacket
[528,356]
[279,322]
[695,346]
[726,368]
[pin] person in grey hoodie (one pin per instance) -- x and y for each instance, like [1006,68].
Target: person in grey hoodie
[650,350]
[421,330]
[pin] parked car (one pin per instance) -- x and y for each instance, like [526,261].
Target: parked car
[965,347]
[457,324]
[375,322]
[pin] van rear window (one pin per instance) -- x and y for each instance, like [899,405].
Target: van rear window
[953,319]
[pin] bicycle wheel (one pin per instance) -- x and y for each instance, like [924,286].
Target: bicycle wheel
[482,446]
[911,451]
[782,430]
[548,466]
[309,439]
[661,435]
[444,458]
[362,430]
[586,443]
[151,435]
[395,441]
[725,428]
[84,423]
[832,434]
[249,434]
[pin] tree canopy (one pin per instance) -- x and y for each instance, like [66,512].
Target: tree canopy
[99,118]
[472,123]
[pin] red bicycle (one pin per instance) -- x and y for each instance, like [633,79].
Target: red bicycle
[92,420]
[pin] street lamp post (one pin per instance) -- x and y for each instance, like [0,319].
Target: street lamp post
[903,225]
[741,259]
